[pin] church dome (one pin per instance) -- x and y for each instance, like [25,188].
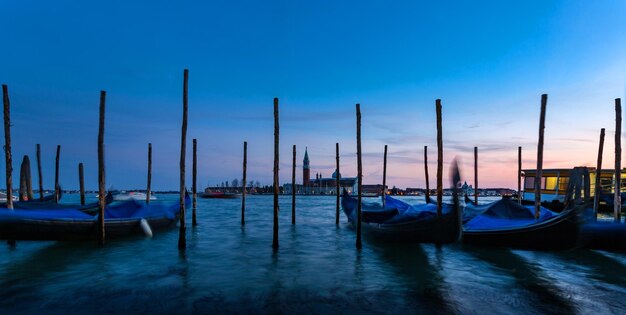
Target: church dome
[335,174]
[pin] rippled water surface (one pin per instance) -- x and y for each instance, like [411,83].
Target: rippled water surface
[232,269]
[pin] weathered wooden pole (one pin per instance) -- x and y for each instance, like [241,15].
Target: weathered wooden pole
[29,179]
[293,187]
[598,189]
[22,190]
[519,175]
[39,172]
[475,175]
[56,175]
[618,161]
[439,158]
[243,191]
[81,181]
[359,176]
[193,184]
[7,145]
[182,239]
[426,172]
[542,127]
[384,176]
[337,183]
[101,173]
[149,184]
[276,161]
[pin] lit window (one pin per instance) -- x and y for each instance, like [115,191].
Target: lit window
[549,183]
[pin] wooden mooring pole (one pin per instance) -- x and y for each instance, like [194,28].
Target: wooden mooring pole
[426,173]
[276,163]
[81,182]
[598,182]
[475,175]
[293,187]
[359,176]
[56,175]
[29,179]
[538,176]
[194,176]
[39,172]
[22,190]
[243,192]
[149,181]
[439,159]
[101,172]
[617,210]
[384,176]
[337,182]
[519,175]
[182,239]
[7,145]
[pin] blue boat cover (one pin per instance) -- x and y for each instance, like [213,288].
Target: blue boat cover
[53,214]
[130,210]
[504,214]
[396,211]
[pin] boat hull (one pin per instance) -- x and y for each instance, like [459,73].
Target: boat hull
[439,230]
[76,230]
[604,235]
[561,232]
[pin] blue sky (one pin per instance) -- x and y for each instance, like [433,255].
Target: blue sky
[489,62]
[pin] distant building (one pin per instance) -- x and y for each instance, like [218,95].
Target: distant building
[320,185]
[306,169]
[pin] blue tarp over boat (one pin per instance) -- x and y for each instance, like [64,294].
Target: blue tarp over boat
[402,222]
[507,223]
[503,214]
[120,219]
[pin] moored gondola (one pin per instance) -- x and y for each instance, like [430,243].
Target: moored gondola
[506,223]
[402,222]
[121,219]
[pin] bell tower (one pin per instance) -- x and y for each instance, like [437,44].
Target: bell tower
[306,169]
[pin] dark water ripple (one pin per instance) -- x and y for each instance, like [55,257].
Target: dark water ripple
[229,269]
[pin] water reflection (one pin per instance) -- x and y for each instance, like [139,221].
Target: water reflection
[544,295]
[413,268]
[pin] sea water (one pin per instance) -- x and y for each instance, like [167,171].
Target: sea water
[228,268]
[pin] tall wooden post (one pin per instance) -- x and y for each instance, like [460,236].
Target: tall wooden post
[149,183]
[182,239]
[337,183]
[538,176]
[22,190]
[56,175]
[7,145]
[39,172]
[385,176]
[81,182]
[193,184]
[618,161]
[475,175]
[439,159]
[293,187]
[276,163]
[29,179]
[598,183]
[101,173]
[519,175]
[243,191]
[426,172]
[359,176]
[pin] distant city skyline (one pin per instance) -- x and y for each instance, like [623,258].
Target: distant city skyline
[489,67]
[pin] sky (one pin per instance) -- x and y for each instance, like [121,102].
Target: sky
[488,61]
